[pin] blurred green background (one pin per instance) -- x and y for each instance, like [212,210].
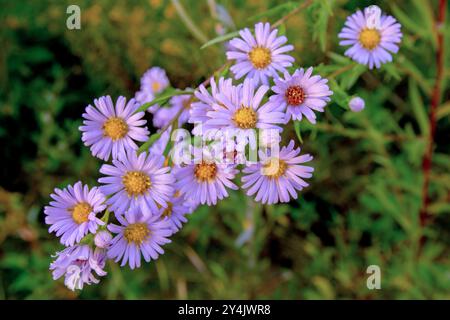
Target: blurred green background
[363,204]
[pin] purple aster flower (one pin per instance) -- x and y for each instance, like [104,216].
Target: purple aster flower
[77,264]
[155,79]
[182,102]
[153,82]
[372,36]
[103,239]
[301,94]
[205,180]
[73,212]
[139,233]
[200,108]
[259,57]
[144,96]
[163,116]
[276,178]
[141,181]
[244,112]
[110,129]
[356,104]
[176,211]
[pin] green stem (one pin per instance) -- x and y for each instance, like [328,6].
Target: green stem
[196,32]
[105,217]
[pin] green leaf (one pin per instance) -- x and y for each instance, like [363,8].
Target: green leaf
[409,23]
[220,39]
[339,95]
[297,131]
[443,111]
[149,142]
[418,107]
[338,58]
[392,71]
[322,10]
[424,8]
[282,30]
[166,95]
[352,76]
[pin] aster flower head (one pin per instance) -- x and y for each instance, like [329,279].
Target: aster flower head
[204,180]
[276,178]
[301,94]
[110,129]
[139,234]
[243,111]
[182,102]
[206,100]
[372,36]
[144,96]
[155,79]
[77,264]
[153,82]
[137,180]
[259,57]
[73,213]
[176,212]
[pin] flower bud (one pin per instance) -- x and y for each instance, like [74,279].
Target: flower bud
[356,104]
[102,239]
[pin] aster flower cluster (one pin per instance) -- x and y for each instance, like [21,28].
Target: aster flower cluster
[146,192]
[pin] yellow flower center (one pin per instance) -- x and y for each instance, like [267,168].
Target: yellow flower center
[115,128]
[168,211]
[136,183]
[136,232]
[260,57]
[295,95]
[205,171]
[156,86]
[245,118]
[80,212]
[274,168]
[369,38]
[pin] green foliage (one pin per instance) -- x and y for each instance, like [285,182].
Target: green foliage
[362,206]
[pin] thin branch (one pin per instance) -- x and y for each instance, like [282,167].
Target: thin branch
[302,6]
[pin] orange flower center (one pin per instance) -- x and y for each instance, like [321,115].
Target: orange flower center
[115,128]
[369,38]
[136,183]
[295,95]
[245,118]
[136,232]
[80,212]
[260,57]
[205,171]
[156,86]
[274,168]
